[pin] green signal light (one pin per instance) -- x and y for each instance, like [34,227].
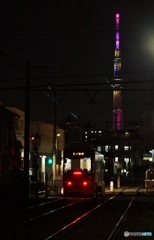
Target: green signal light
[49,161]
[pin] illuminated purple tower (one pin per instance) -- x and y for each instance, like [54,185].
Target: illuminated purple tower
[117,88]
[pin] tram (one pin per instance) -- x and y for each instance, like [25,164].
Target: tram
[83,170]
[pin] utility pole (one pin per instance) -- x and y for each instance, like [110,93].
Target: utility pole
[36,144]
[54,136]
[26,134]
[130,149]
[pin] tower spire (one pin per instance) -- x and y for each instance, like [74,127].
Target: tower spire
[117,123]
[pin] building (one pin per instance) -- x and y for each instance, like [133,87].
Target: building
[120,145]
[147,135]
[10,154]
[116,85]
[75,130]
[8,142]
[121,153]
[44,150]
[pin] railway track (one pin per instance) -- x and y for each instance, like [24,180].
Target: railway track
[89,226]
[14,222]
[62,218]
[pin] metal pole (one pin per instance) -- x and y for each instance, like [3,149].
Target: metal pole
[46,185]
[118,182]
[54,136]
[36,163]
[26,134]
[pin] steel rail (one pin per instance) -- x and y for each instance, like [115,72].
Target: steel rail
[62,230]
[38,217]
[112,235]
[30,207]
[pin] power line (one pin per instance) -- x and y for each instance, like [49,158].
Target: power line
[34,68]
[39,88]
[84,76]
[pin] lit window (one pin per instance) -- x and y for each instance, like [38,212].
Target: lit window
[91,131]
[99,148]
[116,147]
[100,131]
[127,159]
[67,164]
[116,159]
[107,148]
[126,148]
[117,52]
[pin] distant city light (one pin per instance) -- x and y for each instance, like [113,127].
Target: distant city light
[117,18]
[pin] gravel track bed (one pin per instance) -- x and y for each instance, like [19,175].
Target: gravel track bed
[97,225]
[140,219]
[100,224]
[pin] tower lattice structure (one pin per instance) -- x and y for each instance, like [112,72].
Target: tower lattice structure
[117,123]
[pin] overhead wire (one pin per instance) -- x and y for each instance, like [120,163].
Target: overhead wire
[81,76]
[65,77]
[43,91]
[51,97]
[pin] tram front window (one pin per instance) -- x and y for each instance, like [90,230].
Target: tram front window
[83,164]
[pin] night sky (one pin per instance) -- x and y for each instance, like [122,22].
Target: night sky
[70,46]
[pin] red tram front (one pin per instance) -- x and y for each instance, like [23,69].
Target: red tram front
[80,169]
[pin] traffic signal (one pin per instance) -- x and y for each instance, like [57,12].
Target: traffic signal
[49,161]
[36,139]
[34,142]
